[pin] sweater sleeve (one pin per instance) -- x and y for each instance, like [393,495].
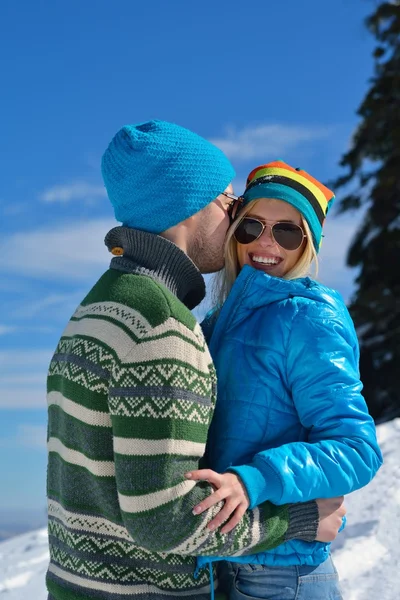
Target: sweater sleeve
[341,453]
[161,399]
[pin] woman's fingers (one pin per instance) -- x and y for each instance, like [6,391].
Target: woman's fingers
[227,487]
[204,475]
[235,519]
[210,501]
[223,515]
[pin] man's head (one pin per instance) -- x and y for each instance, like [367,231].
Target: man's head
[202,236]
[158,174]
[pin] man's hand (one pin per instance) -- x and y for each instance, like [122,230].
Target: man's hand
[331,512]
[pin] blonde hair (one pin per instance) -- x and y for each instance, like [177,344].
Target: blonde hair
[306,265]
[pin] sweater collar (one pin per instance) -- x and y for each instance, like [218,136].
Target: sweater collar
[152,255]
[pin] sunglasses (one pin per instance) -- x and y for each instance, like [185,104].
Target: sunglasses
[287,235]
[236,203]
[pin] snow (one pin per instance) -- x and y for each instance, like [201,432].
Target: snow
[366,554]
[23,564]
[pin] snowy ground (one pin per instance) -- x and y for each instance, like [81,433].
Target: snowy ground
[367,553]
[23,565]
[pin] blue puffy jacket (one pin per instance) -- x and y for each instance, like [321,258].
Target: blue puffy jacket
[290,419]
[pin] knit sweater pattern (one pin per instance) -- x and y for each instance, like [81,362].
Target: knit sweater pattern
[131,393]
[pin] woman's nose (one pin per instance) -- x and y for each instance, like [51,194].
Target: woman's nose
[266,237]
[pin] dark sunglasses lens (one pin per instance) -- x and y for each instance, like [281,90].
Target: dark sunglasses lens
[247,231]
[288,235]
[232,210]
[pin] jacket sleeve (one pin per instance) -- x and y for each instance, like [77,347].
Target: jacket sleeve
[209,322]
[161,404]
[341,453]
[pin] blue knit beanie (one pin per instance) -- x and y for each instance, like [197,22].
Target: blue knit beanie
[158,174]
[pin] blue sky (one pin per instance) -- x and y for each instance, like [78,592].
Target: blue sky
[264,80]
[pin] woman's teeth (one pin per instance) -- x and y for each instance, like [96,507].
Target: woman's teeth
[265,261]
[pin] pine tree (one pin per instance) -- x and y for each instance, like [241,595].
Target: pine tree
[373,164]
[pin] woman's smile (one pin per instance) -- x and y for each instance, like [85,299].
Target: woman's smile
[265,254]
[265,262]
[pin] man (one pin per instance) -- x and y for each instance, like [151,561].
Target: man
[131,390]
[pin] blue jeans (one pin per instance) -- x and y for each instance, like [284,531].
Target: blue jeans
[259,582]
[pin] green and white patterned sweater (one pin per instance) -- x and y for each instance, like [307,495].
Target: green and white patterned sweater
[131,391]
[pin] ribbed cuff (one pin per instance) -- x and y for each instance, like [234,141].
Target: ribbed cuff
[303,521]
[261,485]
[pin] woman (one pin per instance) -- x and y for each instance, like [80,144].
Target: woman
[290,423]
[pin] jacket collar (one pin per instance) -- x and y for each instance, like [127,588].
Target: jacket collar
[254,289]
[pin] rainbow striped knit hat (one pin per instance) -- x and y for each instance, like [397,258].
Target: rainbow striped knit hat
[279,180]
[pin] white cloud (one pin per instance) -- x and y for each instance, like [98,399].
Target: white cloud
[31,436]
[72,252]
[79,190]
[4,329]
[14,210]
[53,305]
[27,436]
[333,272]
[267,140]
[21,360]
[23,378]
[10,329]
[11,286]
[23,398]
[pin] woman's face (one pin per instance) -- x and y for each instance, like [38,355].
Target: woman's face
[264,253]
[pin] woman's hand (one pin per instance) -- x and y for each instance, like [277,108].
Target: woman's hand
[331,512]
[229,488]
